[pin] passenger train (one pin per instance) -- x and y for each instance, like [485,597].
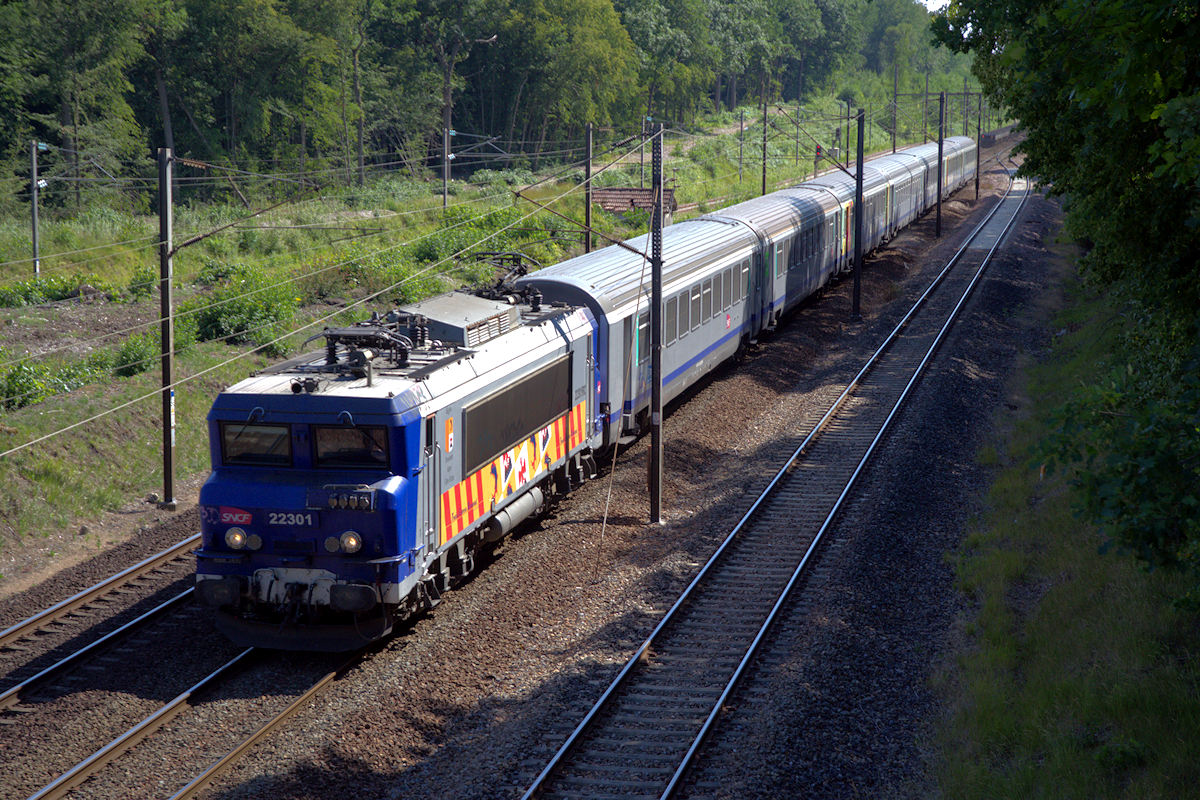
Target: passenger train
[352,486]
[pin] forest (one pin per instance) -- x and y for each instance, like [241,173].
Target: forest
[295,86]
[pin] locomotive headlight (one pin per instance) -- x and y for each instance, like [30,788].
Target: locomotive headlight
[235,538]
[351,542]
[254,541]
[332,545]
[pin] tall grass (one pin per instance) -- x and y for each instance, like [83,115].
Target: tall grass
[1078,677]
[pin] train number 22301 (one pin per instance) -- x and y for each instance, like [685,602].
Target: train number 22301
[285,518]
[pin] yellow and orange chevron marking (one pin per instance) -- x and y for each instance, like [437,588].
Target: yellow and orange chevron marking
[527,461]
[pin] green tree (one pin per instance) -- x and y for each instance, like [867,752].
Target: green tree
[1108,94]
[77,88]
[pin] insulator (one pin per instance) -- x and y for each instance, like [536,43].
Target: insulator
[330,351]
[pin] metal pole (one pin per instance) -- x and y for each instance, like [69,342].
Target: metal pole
[966,108]
[764,149]
[445,164]
[925,113]
[895,101]
[978,140]
[165,224]
[797,135]
[33,204]
[587,195]
[656,331]
[941,130]
[741,141]
[642,157]
[858,219]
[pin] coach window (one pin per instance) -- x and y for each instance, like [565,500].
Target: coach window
[717,294]
[696,318]
[683,314]
[643,337]
[728,287]
[706,307]
[745,280]
[671,312]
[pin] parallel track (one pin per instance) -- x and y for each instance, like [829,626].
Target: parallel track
[78,601]
[140,733]
[640,737]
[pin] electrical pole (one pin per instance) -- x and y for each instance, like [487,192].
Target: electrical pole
[966,108]
[858,220]
[642,156]
[445,165]
[165,225]
[797,134]
[764,149]
[978,142]
[941,129]
[33,204]
[925,113]
[656,331]
[741,141]
[895,102]
[587,195]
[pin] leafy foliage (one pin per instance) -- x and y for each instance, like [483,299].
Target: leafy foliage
[1109,96]
[248,305]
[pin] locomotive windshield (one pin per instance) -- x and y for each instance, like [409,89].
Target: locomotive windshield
[255,445]
[365,446]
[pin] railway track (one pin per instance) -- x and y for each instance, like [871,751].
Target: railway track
[231,693]
[77,604]
[640,737]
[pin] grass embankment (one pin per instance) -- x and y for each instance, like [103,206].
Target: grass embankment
[1079,677]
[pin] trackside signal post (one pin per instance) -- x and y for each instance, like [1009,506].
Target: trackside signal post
[165,224]
[656,329]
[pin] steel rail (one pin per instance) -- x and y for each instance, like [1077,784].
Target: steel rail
[97,760]
[12,696]
[75,601]
[640,653]
[198,784]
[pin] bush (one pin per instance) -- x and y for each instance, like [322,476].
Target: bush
[48,288]
[143,282]
[249,306]
[137,354]
[24,384]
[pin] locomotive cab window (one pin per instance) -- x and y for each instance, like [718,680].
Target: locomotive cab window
[248,444]
[361,446]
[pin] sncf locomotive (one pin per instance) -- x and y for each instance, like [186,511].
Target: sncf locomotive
[351,486]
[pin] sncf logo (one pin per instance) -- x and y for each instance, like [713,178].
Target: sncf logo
[235,516]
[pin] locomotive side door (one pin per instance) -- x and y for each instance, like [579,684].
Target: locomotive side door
[431,452]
